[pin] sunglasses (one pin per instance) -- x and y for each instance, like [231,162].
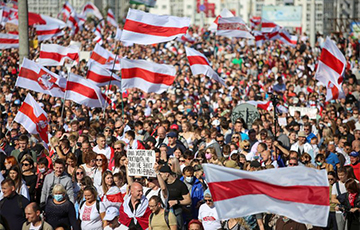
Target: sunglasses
[236,137]
[331,179]
[117,148]
[208,200]
[79,173]
[107,130]
[293,164]
[25,164]
[99,159]
[247,146]
[182,161]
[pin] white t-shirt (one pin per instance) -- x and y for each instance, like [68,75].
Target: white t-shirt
[121,227]
[32,227]
[90,216]
[209,217]
[341,188]
[106,151]
[97,178]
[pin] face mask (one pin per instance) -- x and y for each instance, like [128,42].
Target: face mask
[208,156]
[182,167]
[58,197]
[78,144]
[226,156]
[256,157]
[42,170]
[332,101]
[319,163]
[140,131]
[189,179]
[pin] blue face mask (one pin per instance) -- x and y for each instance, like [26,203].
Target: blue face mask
[58,197]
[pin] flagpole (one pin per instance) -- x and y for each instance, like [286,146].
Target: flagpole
[112,72]
[63,106]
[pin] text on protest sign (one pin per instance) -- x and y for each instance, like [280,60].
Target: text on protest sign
[141,162]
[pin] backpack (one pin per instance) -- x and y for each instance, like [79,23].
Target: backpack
[166,217]
[97,206]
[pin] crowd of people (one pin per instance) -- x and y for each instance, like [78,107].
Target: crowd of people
[81,180]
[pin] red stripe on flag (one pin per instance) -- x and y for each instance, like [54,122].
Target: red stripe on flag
[197,60]
[110,16]
[48,32]
[268,24]
[139,27]
[98,58]
[82,89]
[8,41]
[28,111]
[330,60]
[155,78]
[223,190]
[33,76]
[98,78]
[50,55]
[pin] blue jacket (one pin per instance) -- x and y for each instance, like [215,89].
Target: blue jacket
[197,195]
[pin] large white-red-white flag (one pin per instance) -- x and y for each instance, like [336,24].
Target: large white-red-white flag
[330,70]
[100,76]
[39,79]
[111,18]
[84,92]
[145,28]
[37,19]
[90,8]
[118,38]
[104,57]
[233,27]
[224,13]
[199,64]
[55,55]
[255,22]
[33,118]
[300,193]
[46,32]
[148,76]
[8,41]
[268,26]
[75,22]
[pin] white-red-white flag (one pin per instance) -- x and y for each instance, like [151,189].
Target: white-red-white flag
[55,55]
[67,9]
[265,105]
[75,22]
[145,28]
[90,8]
[255,22]
[148,76]
[104,57]
[39,79]
[98,34]
[233,27]
[199,64]
[187,38]
[224,13]
[33,118]
[8,41]
[268,26]
[287,38]
[84,92]
[46,32]
[111,18]
[259,38]
[299,193]
[100,76]
[118,38]
[37,19]
[330,70]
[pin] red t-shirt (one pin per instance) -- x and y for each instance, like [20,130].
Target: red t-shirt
[356,168]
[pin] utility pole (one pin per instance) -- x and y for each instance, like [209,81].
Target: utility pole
[23,29]
[312,23]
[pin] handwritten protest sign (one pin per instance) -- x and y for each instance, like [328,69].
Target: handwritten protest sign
[141,162]
[310,112]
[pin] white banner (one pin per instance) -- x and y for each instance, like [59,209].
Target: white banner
[310,112]
[141,162]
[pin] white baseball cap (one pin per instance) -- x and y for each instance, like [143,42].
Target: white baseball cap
[111,213]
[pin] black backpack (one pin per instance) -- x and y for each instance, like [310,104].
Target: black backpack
[166,217]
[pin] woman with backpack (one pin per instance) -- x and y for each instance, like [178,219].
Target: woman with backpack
[91,211]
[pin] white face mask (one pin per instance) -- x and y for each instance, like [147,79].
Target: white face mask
[42,170]
[189,179]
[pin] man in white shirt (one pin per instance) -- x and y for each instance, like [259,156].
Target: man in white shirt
[301,146]
[207,213]
[101,147]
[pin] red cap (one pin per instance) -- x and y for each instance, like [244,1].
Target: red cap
[174,126]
